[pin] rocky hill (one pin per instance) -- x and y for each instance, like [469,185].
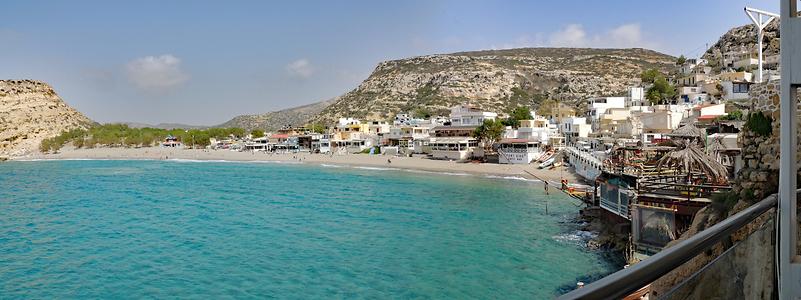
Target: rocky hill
[496,80]
[162,125]
[743,38]
[275,120]
[31,111]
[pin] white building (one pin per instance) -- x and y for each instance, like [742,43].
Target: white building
[348,121]
[453,148]
[464,115]
[734,90]
[518,151]
[574,128]
[636,97]
[709,112]
[692,95]
[598,106]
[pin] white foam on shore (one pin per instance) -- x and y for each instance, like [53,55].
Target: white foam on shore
[435,172]
[512,178]
[61,159]
[233,161]
[578,237]
[374,168]
[330,166]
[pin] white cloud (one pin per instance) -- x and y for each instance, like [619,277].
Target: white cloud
[301,68]
[156,73]
[572,35]
[626,36]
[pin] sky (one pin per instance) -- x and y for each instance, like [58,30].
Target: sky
[204,62]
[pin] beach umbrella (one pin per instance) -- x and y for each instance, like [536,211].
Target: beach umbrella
[690,158]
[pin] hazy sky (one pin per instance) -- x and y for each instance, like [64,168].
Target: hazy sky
[205,62]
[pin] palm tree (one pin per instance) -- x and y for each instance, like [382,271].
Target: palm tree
[715,148]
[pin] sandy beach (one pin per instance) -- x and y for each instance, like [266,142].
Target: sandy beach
[416,163]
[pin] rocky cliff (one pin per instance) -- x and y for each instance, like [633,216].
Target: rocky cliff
[275,120]
[744,38]
[31,111]
[496,80]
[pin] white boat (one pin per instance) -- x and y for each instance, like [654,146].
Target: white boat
[548,162]
[546,156]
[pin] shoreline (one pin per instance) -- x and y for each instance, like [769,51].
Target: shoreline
[416,163]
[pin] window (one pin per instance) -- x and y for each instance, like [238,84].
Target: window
[740,87]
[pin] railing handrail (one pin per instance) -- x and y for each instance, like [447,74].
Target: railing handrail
[626,281]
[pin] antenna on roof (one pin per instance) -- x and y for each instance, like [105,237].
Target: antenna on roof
[758,22]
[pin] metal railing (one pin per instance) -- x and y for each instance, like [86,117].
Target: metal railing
[626,281]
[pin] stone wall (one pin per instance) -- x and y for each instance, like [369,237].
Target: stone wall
[748,272]
[759,176]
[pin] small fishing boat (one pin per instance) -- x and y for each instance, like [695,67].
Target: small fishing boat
[545,156]
[547,162]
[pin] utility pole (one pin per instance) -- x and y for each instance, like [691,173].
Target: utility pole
[788,260]
[760,24]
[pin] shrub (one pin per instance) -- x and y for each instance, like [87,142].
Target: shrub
[759,123]
[724,202]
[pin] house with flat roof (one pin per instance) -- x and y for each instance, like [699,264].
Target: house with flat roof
[466,115]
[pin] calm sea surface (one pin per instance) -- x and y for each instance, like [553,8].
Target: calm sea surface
[134,229]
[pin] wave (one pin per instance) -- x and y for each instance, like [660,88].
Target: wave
[234,161]
[435,172]
[63,159]
[512,178]
[375,168]
[330,166]
[578,237]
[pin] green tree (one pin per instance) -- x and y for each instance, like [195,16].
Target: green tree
[519,113]
[681,60]
[422,113]
[660,91]
[489,132]
[257,133]
[45,146]
[317,128]
[650,75]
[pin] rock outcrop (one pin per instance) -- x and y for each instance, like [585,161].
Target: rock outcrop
[31,111]
[743,38]
[496,80]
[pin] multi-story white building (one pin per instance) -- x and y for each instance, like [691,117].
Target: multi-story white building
[465,115]
[636,97]
[598,106]
[574,128]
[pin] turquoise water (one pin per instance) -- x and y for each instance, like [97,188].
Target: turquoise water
[134,229]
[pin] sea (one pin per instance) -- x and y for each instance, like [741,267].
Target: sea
[130,229]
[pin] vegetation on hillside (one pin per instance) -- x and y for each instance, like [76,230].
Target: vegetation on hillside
[119,135]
